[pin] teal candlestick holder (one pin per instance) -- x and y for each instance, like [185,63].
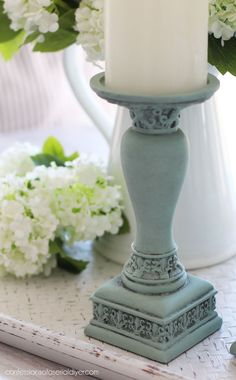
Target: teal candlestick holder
[154,308]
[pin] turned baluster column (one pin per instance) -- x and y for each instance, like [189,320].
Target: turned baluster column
[154,157]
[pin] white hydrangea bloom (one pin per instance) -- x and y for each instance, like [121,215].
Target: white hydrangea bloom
[15,10]
[47,22]
[16,160]
[31,16]
[75,202]
[90,25]
[27,225]
[90,206]
[222,19]
[83,201]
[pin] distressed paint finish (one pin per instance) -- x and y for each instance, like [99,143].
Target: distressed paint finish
[149,330]
[41,313]
[13,359]
[154,308]
[75,353]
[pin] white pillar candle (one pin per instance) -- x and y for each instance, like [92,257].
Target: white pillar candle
[156,47]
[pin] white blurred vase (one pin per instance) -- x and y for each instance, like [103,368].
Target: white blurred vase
[205,219]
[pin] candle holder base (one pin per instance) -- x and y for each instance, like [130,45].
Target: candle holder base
[159,327]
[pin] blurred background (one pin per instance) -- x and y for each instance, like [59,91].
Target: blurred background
[36,101]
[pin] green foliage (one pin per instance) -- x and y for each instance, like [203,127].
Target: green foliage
[72,157]
[31,38]
[46,160]
[125,228]
[53,151]
[6,33]
[65,261]
[222,57]
[9,48]
[71,265]
[10,41]
[53,147]
[67,4]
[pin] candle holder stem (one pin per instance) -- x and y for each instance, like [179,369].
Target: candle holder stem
[154,308]
[154,166]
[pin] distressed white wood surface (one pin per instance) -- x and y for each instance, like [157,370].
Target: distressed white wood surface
[47,316]
[13,359]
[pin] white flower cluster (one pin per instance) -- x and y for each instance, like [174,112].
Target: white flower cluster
[75,202]
[222,19]
[31,16]
[90,25]
[27,225]
[90,206]
[16,160]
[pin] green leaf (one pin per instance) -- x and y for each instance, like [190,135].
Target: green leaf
[65,261]
[72,157]
[125,228]
[11,47]
[6,33]
[62,38]
[70,264]
[61,5]
[66,5]
[54,148]
[46,160]
[56,41]
[67,21]
[55,246]
[222,57]
[31,37]
[70,3]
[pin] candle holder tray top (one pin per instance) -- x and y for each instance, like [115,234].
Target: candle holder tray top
[154,308]
[174,102]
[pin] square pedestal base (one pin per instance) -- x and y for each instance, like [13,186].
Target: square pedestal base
[159,327]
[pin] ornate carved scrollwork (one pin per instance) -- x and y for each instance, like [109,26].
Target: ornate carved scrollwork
[153,268]
[155,118]
[149,330]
